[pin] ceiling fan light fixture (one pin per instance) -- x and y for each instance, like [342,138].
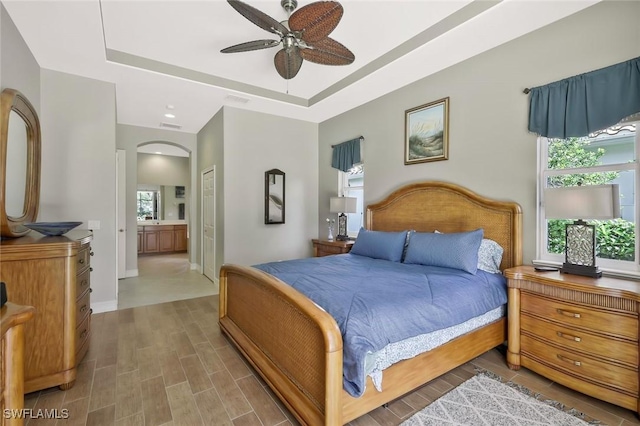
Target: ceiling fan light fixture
[304,36]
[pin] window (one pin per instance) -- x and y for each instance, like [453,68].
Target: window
[147,203]
[351,184]
[607,156]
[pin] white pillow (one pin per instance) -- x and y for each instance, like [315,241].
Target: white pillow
[490,256]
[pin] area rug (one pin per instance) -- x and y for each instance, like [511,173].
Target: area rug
[483,400]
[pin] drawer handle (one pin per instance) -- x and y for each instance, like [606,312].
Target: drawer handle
[81,261]
[91,253]
[568,336]
[569,360]
[90,311]
[568,313]
[84,308]
[90,269]
[83,334]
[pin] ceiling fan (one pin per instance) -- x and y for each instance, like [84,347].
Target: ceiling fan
[303,36]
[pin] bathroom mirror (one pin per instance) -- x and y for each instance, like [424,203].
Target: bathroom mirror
[273,197]
[19,162]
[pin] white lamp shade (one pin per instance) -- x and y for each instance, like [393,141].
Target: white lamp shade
[582,202]
[343,204]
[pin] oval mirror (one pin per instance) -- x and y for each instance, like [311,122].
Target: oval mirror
[20,163]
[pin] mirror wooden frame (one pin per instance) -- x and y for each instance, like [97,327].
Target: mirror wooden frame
[269,180]
[13,100]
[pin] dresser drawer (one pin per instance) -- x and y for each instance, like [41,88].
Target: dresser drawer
[329,250]
[83,282]
[83,307]
[580,316]
[84,258]
[615,376]
[82,333]
[573,339]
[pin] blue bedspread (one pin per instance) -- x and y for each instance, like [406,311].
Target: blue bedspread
[377,302]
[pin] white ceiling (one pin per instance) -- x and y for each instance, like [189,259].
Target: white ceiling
[160,53]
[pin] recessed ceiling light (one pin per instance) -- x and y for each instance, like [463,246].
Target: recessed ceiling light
[170,106]
[158,152]
[169,115]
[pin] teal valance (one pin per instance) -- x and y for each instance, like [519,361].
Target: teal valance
[346,154]
[579,105]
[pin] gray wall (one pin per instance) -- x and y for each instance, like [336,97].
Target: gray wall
[491,152]
[128,138]
[18,68]
[163,169]
[254,143]
[78,117]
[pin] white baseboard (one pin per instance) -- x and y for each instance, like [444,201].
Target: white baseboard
[99,307]
[131,273]
[196,267]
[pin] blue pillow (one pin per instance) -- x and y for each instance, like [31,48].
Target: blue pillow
[380,245]
[457,250]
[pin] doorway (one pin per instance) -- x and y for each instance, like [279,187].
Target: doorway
[166,274]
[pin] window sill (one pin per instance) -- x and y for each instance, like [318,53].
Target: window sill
[615,273]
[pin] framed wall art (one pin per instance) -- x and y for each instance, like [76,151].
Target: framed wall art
[426,132]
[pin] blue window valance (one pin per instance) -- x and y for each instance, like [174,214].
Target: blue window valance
[579,105]
[346,154]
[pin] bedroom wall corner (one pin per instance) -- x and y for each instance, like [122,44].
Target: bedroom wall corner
[254,143]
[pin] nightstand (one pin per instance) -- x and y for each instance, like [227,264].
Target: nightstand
[327,248]
[578,331]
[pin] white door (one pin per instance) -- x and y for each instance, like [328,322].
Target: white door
[121,185]
[208,224]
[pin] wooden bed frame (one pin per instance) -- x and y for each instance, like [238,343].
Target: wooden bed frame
[296,346]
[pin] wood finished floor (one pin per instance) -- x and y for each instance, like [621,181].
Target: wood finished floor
[168,364]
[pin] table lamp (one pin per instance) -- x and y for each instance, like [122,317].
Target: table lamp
[579,203]
[342,205]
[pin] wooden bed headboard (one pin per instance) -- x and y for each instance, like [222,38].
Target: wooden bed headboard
[447,207]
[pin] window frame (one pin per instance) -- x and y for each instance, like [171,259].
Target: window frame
[608,265]
[344,188]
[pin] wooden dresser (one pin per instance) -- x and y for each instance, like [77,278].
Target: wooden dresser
[12,319]
[52,274]
[327,248]
[578,331]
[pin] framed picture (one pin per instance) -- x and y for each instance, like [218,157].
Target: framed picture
[426,132]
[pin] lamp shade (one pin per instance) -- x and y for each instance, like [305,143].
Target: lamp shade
[582,202]
[343,204]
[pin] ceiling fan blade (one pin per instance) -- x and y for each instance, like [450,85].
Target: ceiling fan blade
[259,18]
[315,21]
[288,62]
[251,45]
[328,52]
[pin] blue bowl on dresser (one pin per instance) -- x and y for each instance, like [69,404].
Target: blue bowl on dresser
[51,229]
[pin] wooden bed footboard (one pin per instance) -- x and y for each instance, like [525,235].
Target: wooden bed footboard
[293,344]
